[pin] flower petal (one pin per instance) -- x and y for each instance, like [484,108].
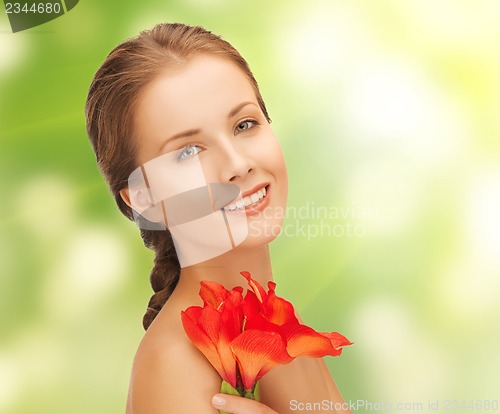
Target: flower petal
[255,286]
[278,310]
[212,293]
[337,339]
[204,327]
[211,322]
[302,340]
[258,352]
[251,305]
[261,323]
[201,340]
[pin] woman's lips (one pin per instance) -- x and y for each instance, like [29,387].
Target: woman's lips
[253,203]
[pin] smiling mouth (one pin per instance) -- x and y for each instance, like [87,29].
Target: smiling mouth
[248,201]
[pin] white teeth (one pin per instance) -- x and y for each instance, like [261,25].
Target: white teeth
[246,201]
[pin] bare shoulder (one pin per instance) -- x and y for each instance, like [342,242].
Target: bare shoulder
[169,374]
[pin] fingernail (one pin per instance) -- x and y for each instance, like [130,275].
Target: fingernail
[218,400]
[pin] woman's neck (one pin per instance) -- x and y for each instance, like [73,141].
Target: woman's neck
[225,269]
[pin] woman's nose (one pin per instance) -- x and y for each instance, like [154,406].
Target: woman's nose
[234,163]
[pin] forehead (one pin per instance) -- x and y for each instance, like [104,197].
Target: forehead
[200,88]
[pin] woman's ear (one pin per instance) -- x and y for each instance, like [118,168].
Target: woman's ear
[136,199]
[125,196]
[139,201]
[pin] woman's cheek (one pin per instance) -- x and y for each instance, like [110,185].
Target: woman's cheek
[268,151]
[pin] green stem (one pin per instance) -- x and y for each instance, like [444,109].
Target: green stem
[253,394]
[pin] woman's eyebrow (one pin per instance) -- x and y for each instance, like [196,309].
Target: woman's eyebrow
[183,134]
[239,107]
[192,132]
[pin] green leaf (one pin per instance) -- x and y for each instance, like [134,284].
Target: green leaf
[254,394]
[226,388]
[256,391]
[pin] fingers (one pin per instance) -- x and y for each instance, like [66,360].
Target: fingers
[240,405]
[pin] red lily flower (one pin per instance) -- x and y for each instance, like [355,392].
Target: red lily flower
[244,338]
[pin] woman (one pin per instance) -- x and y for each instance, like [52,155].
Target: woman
[178,111]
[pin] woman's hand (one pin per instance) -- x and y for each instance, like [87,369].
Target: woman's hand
[240,405]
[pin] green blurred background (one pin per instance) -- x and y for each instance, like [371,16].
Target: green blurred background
[388,114]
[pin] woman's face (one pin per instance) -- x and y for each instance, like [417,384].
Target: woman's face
[199,125]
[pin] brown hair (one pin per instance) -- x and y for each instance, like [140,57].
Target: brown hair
[109,110]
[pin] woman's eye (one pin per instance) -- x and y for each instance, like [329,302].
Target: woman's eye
[246,124]
[188,152]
